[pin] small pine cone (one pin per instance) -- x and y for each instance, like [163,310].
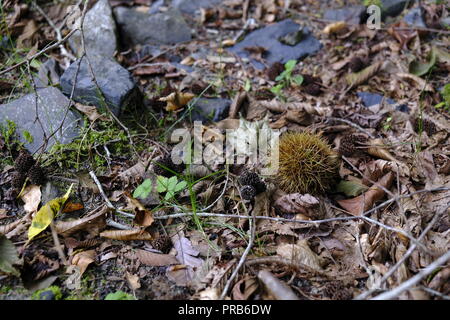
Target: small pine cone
[335,290]
[349,144]
[248,192]
[274,71]
[162,244]
[24,162]
[313,89]
[253,179]
[18,179]
[264,94]
[357,64]
[36,175]
[424,126]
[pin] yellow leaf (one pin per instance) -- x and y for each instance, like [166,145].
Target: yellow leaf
[334,27]
[177,100]
[45,215]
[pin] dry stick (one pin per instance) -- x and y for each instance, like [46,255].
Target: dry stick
[434,292]
[352,125]
[414,280]
[57,244]
[403,259]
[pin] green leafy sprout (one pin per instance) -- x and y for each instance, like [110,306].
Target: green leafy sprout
[446,97]
[170,186]
[285,79]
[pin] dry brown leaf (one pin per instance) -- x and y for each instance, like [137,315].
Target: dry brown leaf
[275,287]
[25,39]
[300,253]
[298,203]
[72,206]
[376,149]
[356,206]
[177,100]
[143,218]
[92,223]
[83,259]
[155,259]
[335,27]
[127,235]
[244,288]
[31,196]
[355,79]
[91,112]
[179,274]
[133,281]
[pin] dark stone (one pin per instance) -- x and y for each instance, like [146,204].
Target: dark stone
[51,107]
[100,32]
[48,74]
[350,14]
[191,6]
[47,295]
[210,109]
[269,38]
[115,82]
[415,18]
[392,8]
[145,28]
[370,99]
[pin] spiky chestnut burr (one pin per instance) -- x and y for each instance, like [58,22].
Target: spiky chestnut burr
[23,162]
[307,164]
[349,144]
[274,70]
[248,192]
[424,125]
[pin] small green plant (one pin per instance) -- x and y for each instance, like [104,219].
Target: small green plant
[170,186]
[285,79]
[39,295]
[119,295]
[446,96]
[369,3]
[387,123]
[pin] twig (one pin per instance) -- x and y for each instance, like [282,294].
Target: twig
[117,225]
[403,259]
[434,292]
[414,280]
[57,244]
[354,125]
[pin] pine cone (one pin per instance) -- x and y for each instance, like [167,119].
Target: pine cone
[24,161]
[336,290]
[349,144]
[313,89]
[253,179]
[357,64]
[36,175]
[17,180]
[264,94]
[424,126]
[274,71]
[162,244]
[248,192]
[167,162]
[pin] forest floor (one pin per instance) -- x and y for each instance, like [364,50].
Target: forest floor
[110,217]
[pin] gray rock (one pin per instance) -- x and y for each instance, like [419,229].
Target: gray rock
[392,8]
[369,99]
[145,28]
[47,295]
[350,14]
[51,108]
[191,6]
[415,18]
[100,32]
[210,109]
[445,22]
[115,82]
[48,74]
[269,38]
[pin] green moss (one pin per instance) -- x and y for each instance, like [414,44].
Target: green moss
[368,3]
[55,289]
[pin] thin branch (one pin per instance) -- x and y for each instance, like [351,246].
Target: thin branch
[414,280]
[354,125]
[434,292]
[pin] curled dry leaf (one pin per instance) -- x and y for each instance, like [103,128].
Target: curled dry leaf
[179,274]
[336,27]
[127,235]
[91,223]
[298,203]
[244,288]
[356,206]
[376,149]
[177,100]
[91,112]
[133,281]
[155,259]
[31,196]
[355,79]
[83,259]
[275,287]
[300,253]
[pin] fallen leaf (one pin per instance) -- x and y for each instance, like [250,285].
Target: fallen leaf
[355,79]
[71,207]
[177,100]
[335,27]
[133,281]
[126,235]
[31,196]
[83,259]
[45,215]
[155,259]
[298,203]
[300,253]
[420,68]
[351,188]
[376,149]
[244,288]
[186,253]
[91,112]
[92,221]
[356,206]
[8,256]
